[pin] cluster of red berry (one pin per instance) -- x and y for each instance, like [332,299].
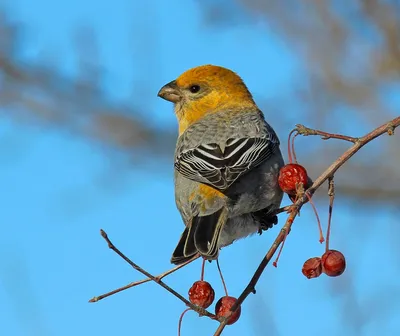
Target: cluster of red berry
[293,180]
[332,263]
[202,295]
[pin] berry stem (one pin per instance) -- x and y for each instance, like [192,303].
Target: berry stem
[222,278]
[289,149]
[275,263]
[321,235]
[180,320]
[293,151]
[331,193]
[202,269]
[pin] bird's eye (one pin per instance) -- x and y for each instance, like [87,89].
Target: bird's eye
[194,88]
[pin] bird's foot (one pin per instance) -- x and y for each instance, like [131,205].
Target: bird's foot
[267,222]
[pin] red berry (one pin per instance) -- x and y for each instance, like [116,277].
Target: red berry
[201,294]
[333,263]
[291,176]
[223,308]
[312,268]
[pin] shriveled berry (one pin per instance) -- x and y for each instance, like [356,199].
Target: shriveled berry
[312,268]
[223,308]
[333,263]
[201,294]
[291,176]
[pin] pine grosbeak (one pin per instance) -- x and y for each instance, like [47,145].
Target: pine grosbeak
[227,161]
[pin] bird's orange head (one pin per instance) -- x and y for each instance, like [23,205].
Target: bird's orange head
[203,90]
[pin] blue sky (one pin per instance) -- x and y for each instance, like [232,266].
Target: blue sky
[52,204]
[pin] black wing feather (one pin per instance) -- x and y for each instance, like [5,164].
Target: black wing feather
[208,164]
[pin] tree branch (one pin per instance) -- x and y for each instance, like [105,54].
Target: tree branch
[388,127]
[303,130]
[139,282]
[199,310]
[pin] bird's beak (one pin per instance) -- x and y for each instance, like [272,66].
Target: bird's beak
[170,92]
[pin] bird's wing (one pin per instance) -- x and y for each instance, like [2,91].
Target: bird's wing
[209,164]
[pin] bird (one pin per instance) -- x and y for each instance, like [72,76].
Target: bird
[227,160]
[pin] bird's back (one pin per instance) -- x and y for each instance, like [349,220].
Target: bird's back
[219,128]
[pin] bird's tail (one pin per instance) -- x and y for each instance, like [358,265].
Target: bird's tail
[201,237]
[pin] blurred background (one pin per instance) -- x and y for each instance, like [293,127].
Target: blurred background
[86,144]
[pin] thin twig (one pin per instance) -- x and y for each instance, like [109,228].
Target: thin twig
[283,209]
[303,130]
[139,282]
[329,172]
[199,310]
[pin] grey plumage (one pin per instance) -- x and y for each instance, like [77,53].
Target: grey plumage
[236,153]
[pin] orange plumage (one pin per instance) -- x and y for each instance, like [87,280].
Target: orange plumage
[224,88]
